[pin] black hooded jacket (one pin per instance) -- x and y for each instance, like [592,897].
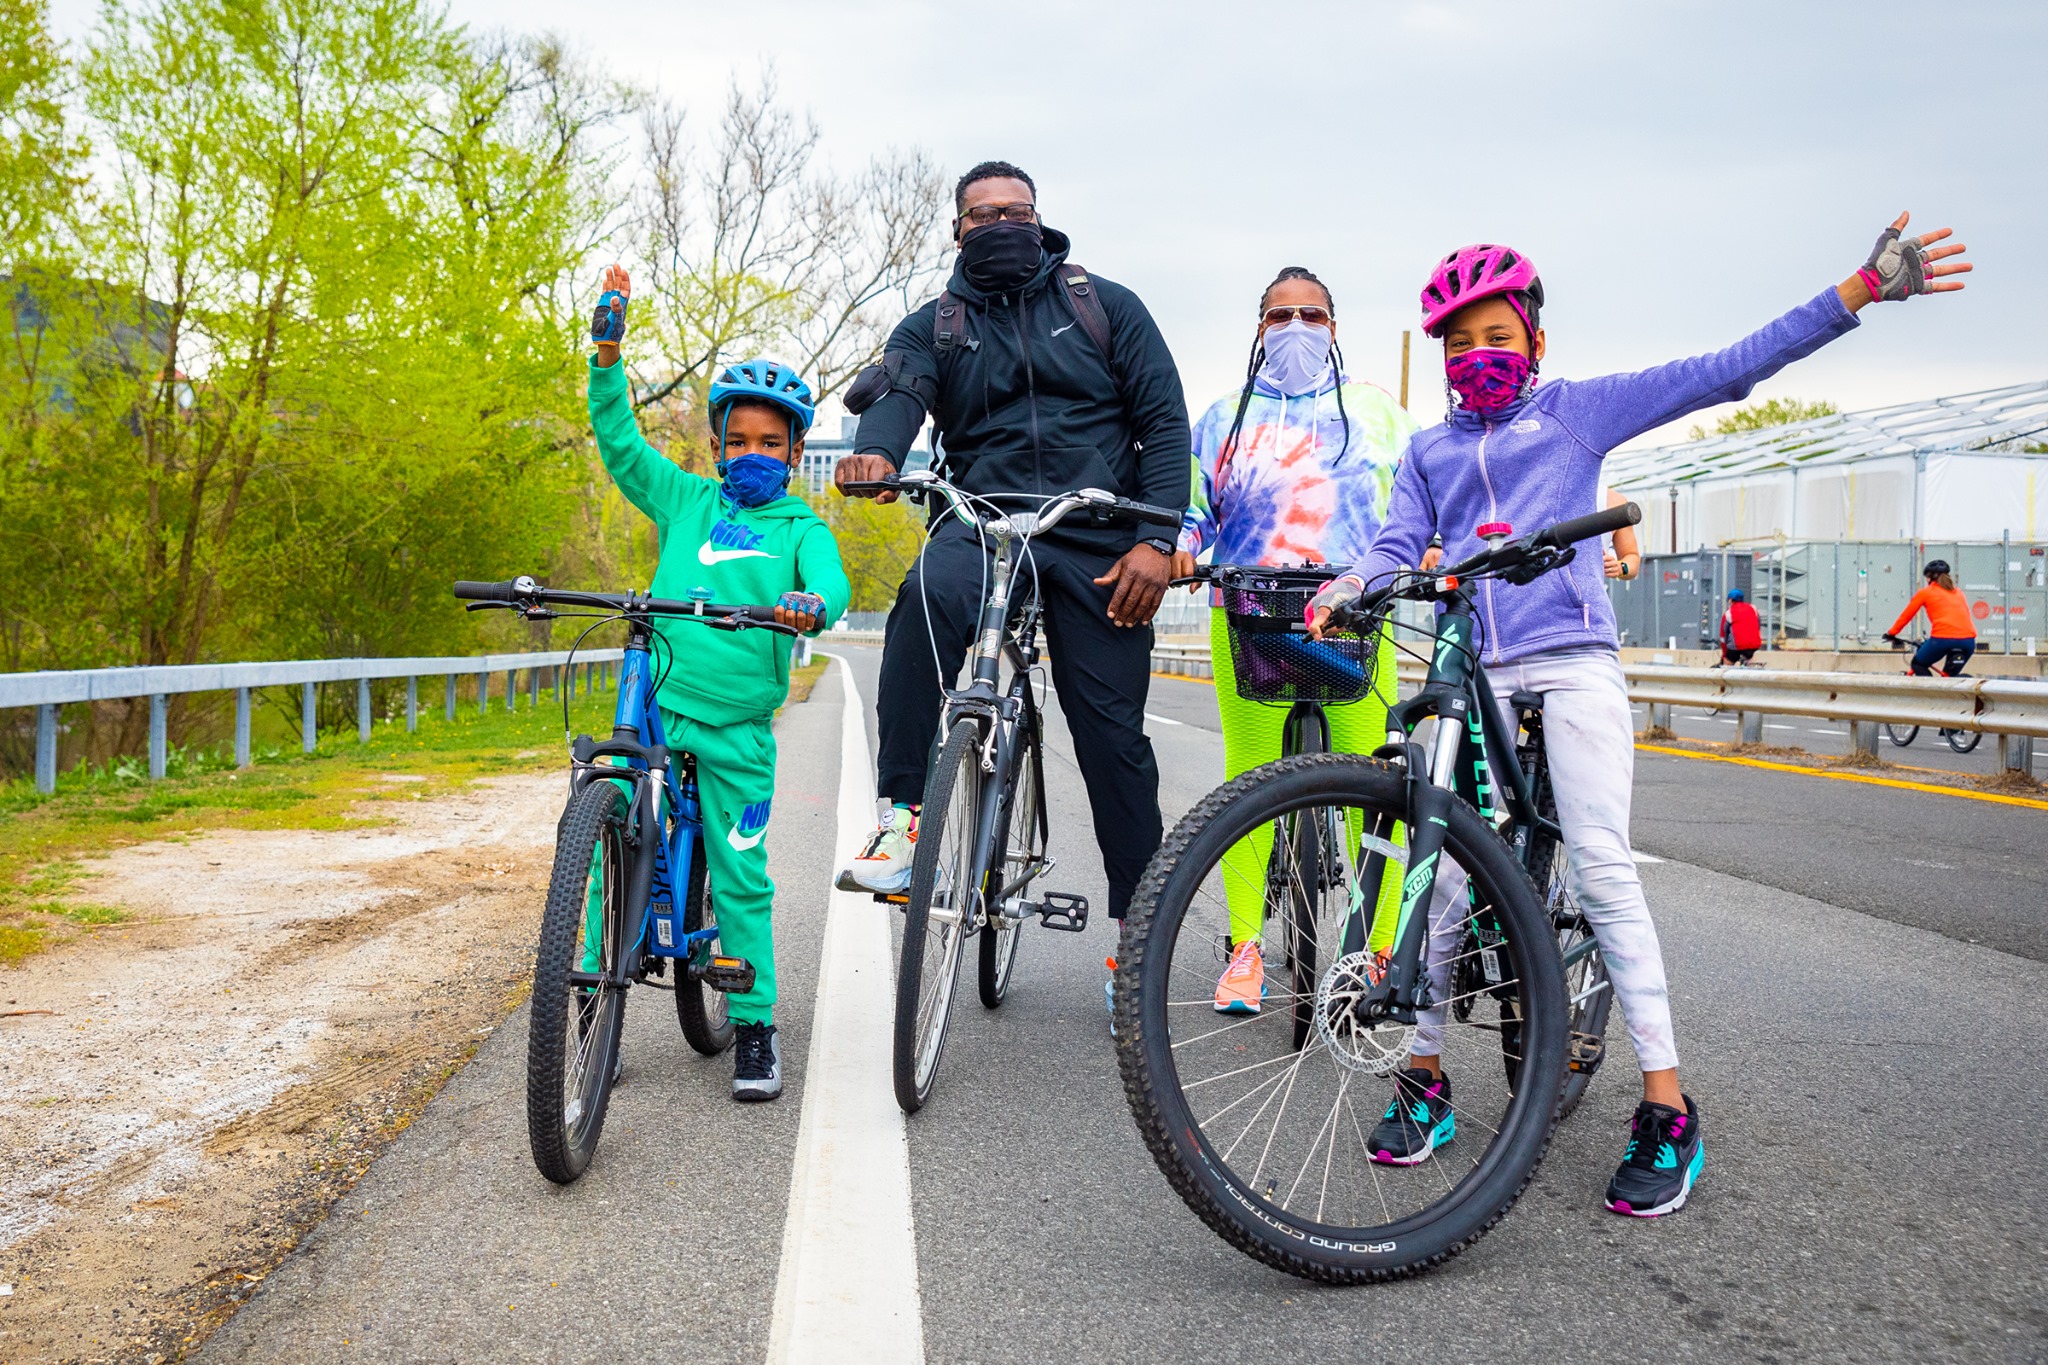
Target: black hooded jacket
[1035,407]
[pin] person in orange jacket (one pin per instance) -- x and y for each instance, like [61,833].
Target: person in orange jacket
[1742,634]
[1949,631]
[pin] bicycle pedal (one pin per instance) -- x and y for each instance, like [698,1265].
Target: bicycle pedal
[1064,911]
[895,898]
[1587,1050]
[732,975]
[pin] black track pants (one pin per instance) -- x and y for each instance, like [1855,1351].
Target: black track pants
[1102,672]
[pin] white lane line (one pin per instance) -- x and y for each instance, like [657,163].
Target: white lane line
[1643,857]
[1163,720]
[847,1289]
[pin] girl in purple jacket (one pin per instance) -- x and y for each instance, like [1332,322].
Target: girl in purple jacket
[1510,451]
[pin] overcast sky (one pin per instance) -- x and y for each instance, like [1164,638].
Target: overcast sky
[1681,172]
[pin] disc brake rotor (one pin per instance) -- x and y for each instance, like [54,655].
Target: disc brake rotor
[1373,1049]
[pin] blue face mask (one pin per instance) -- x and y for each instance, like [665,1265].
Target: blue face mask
[1297,356]
[754,480]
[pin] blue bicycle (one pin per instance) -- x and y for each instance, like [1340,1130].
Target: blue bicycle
[621,906]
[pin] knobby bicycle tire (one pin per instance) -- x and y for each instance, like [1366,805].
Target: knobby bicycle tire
[917,1051]
[563,1132]
[1241,1213]
[704,1013]
[996,964]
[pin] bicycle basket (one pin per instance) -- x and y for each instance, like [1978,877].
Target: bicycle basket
[1274,658]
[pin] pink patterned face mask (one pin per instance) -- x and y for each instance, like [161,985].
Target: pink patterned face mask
[1487,379]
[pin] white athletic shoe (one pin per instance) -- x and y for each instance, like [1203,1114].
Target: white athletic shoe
[883,864]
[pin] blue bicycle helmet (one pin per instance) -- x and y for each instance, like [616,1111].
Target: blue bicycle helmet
[1735,594]
[769,380]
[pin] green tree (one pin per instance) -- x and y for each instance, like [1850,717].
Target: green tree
[1773,412]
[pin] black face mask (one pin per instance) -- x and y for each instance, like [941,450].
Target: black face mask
[1001,256]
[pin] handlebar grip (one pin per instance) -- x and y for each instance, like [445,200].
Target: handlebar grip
[1145,512]
[1593,524]
[486,592]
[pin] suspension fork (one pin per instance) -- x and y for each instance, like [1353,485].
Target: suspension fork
[1446,695]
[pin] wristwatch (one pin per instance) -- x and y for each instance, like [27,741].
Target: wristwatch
[1164,547]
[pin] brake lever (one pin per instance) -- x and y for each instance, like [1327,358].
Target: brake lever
[1538,564]
[490,606]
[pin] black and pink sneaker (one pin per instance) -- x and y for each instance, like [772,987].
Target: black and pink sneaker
[1664,1157]
[1418,1122]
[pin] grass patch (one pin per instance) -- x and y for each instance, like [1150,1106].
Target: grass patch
[802,680]
[43,838]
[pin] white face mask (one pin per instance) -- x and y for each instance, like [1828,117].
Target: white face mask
[1297,357]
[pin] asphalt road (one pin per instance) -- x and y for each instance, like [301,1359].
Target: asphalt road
[1867,1193]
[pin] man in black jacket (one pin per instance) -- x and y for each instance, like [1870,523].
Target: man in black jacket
[1026,401]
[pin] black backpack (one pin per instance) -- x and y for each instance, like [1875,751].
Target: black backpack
[951,332]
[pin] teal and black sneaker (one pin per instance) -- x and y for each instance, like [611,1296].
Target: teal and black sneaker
[1665,1154]
[1418,1121]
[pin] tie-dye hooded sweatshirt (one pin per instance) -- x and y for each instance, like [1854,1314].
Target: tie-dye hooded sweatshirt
[1292,489]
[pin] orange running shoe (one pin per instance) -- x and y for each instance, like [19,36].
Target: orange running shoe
[1244,981]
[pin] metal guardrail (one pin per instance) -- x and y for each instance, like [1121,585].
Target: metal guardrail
[49,691]
[2013,709]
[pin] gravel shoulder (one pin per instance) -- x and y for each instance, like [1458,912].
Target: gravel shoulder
[211,1075]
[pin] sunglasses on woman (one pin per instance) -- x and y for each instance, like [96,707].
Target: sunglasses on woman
[1281,316]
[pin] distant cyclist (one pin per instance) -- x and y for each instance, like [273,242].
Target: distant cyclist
[1293,468]
[1742,634]
[1512,452]
[1950,634]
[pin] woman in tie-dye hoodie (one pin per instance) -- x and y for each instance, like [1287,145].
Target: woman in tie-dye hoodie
[1294,468]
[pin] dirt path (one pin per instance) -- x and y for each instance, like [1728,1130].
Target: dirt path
[212,1075]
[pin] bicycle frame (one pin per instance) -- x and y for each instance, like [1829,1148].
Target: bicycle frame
[1001,714]
[1458,766]
[638,754]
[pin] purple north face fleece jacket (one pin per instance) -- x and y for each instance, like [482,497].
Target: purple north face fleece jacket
[1538,463]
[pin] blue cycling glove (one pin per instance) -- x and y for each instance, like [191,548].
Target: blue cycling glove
[803,604]
[608,323]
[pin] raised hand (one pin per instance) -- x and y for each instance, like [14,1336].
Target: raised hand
[1901,266]
[608,320]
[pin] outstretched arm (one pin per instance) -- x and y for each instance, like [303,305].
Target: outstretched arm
[1615,408]
[646,476]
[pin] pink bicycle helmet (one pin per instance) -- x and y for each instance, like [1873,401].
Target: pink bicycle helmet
[1475,272]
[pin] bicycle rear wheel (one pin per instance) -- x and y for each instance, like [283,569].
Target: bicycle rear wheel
[1020,848]
[1589,995]
[944,895]
[702,1011]
[1901,735]
[1268,1143]
[572,1040]
[1962,741]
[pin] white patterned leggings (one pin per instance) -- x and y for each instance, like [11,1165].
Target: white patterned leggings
[1589,732]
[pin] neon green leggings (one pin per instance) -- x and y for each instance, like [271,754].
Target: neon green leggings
[1252,734]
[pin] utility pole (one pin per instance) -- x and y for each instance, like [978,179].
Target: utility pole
[1404,367]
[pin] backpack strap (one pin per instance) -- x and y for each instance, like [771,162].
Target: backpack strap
[1087,306]
[949,326]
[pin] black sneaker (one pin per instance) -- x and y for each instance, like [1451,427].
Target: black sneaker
[1418,1121]
[756,1062]
[1665,1154]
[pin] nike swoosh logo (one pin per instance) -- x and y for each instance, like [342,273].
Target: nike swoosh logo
[711,554]
[743,842]
[1068,328]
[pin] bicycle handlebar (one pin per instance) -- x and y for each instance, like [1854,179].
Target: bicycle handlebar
[524,592]
[1601,523]
[1054,506]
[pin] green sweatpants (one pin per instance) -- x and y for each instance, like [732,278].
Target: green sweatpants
[735,784]
[1252,735]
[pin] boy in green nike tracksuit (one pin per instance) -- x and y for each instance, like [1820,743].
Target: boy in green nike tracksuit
[746,541]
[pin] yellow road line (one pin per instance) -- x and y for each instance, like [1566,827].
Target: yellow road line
[1841,776]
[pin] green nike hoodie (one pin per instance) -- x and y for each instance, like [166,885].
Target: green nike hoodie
[742,554]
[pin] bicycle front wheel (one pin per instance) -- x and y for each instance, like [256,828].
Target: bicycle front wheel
[944,900]
[572,1040]
[1962,741]
[1901,735]
[1283,1150]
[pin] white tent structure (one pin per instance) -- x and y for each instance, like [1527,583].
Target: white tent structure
[1969,468]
